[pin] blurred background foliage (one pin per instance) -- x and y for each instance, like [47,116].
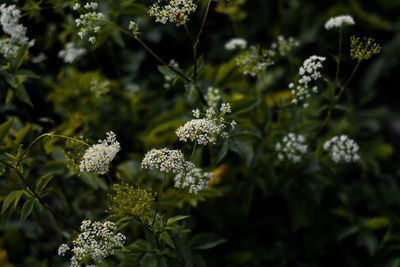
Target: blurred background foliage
[257,212]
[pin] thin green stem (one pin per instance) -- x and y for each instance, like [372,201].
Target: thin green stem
[194,149]
[349,79]
[183,76]
[203,23]
[339,56]
[41,200]
[159,197]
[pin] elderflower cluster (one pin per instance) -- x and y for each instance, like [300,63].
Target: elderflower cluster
[236,43]
[98,157]
[71,53]
[208,129]
[342,148]
[130,201]
[285,45]
[166,160]
[254,61]
[176,11]
[96,242]
[90,22]
[213,96]
[170,76]
[9,19]
[291,147]
[195,180]
[339,21]
[309,71]
[363,50]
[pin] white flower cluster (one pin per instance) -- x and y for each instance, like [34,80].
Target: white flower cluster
[342,148]
[206,130]
[96,242]
[166,160]
[168,78]
[308,72]
[71,53]
[213,96]
[291,147]
[285,45]
[254,61]
[39,58]
[196,180]
[134,27]
[339,21]
[90,22]
[235,43]
[9,19]
[98,157]
[176,11]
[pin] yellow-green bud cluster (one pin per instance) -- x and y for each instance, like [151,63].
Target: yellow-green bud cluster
[363,50]
[134,27]
[127,200]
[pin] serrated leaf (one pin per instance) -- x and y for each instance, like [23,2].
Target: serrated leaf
[27,209]
[242,146]
[13,197]
[206,241]
[43,181]
[167,239]
[5,128]
[177,218]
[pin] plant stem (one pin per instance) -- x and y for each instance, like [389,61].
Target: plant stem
[194,149]
[44,203]
[339,58]
[183,76]
[203,23]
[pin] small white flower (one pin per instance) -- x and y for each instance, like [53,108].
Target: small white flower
[90,21]
[63,249]
[213,96]
[196,180]
[226,108]
[235,43]
[98,157]
[291,148]
[339,21]
[196,113]
[342,148]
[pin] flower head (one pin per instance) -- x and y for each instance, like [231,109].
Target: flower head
[89,23]
[236,43]
[195,180]
[339,21]
[213,96]
[205,130]
[9,19]
[309,71]
[175,11]
[98,157]
[342,148]
[254,61]
[285,45]
[71,53]
[363,50]
[291,147]
[96,242]
[166,160]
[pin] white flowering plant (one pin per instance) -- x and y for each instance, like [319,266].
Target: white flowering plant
[229,132]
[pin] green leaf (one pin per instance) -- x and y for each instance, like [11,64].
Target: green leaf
[206,241]
[27,209]
[242,146]
[177,218]
[38,205]
[167,239]
[376,222]
[10,96]
[43,181]
[23,95]
[13,197]
[244,105]
[21,55]
[5,128]
[166,71]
